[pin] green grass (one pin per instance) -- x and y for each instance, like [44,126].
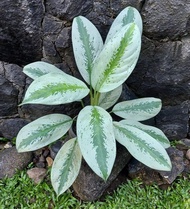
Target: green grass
[19,192]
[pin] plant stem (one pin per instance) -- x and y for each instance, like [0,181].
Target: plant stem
[96,98]
[82,103]
[91,96]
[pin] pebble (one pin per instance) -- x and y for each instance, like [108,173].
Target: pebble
[49,161]
[37,174]
[188,154]
[11,161]
[54,148]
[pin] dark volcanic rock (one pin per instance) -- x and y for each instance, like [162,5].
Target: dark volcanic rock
[163,19]
[118,5]
[174,121]
[11,161]
[150,176]
[12,82]
[20,27]
[89,187]
[9,128]
[67,9]
[162,71]
[8,97]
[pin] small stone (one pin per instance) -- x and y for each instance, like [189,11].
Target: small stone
[49,161]
[188,154]
[41,158]
[11,161]
[46,152]
[54,148]
[37,174]
[2,146]
[8,145]
[38,152]
[40,164]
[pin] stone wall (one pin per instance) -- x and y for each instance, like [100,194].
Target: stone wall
[32,30]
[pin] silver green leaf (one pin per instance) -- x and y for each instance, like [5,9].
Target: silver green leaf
[36,69]
[126,16]
[138,109]
[154,132]
[96,139]
[42,132]
[55,88]
[87,44]
[117,59]
[108,99]
[66,166]
[142,146]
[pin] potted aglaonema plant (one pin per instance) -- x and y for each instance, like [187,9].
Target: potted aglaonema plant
[104,68]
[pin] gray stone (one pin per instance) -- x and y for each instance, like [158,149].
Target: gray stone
[9,128]
[37,174]
[177,159]
[117,5]
[20,26]
[188,154]
[12,87]
[89,187]
[54,148]
[52,25]
[8,97]
[49,50]
[163,19]
[67,9]
[11,161]
[63,40]
[14,74]
[162,71]
[174,121]
[150,176]
[183,144]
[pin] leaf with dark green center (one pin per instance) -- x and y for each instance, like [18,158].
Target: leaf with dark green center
[142,146]
[55,88]
[87,44]
[154,132]
[126,16]
[42,132]
[36,69]
[96,139]
[117,59]
[138,109]
[66,166]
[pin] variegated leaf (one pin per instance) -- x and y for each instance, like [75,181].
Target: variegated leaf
[87,44]
[96,139]
[117,59]
[36,69]
[142,146]
[138,109]
[55,88]
[66,166]
[42,132]
[156,133]
[126,16]
[108,99]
